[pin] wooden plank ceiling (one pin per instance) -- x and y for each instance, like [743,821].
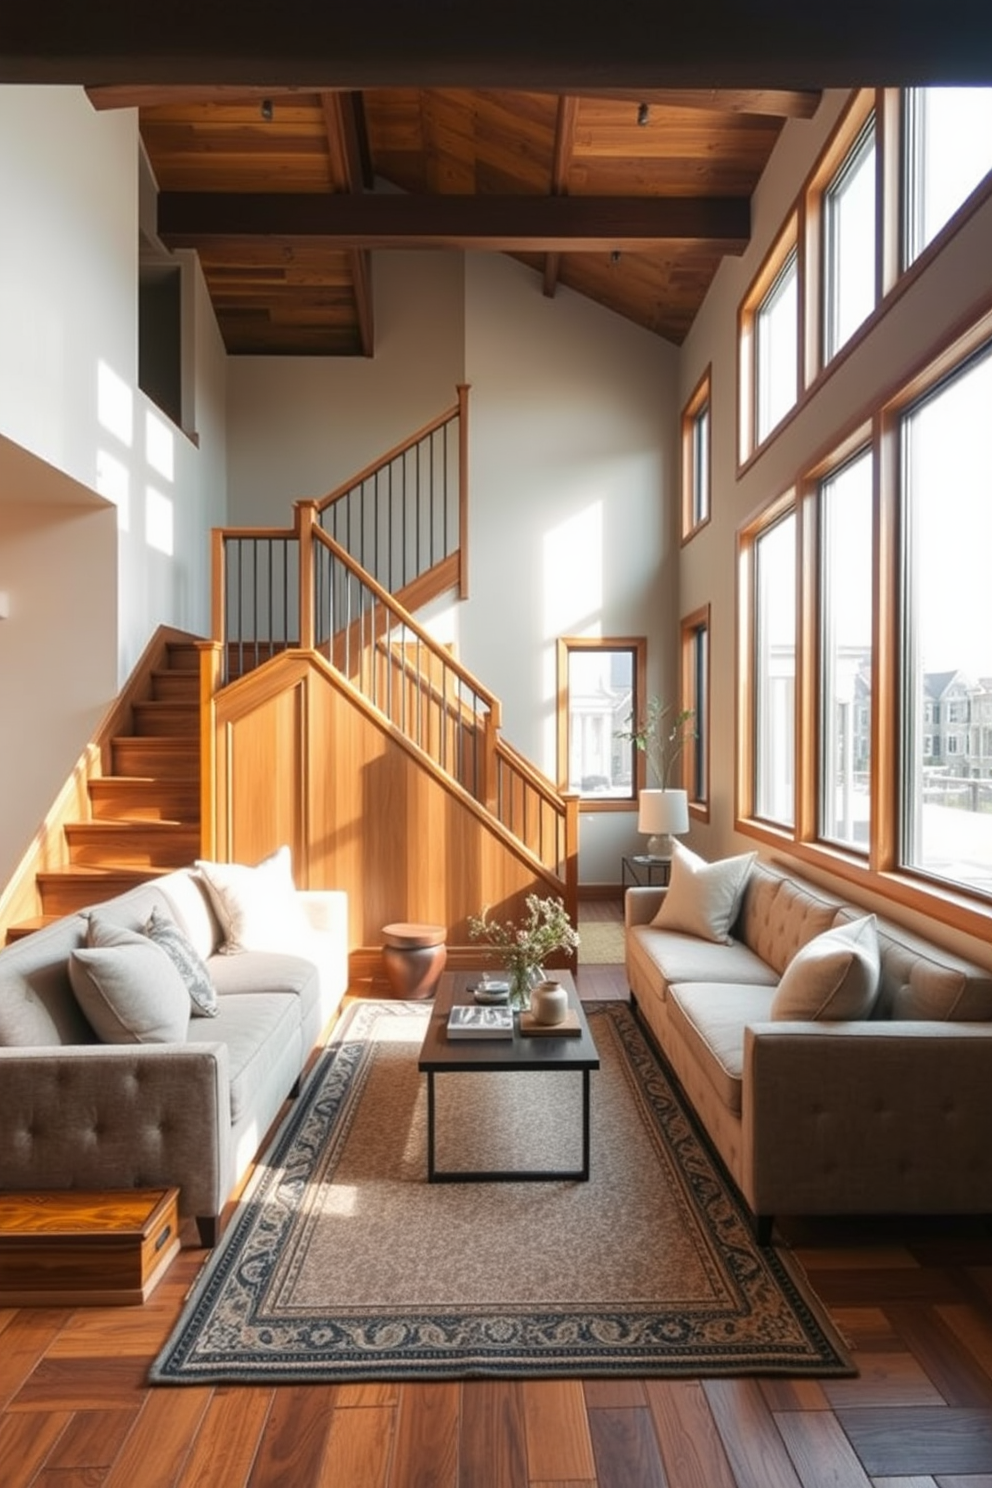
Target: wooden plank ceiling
[631,199]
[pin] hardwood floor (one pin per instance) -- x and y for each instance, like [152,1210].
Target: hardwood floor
[914,1301]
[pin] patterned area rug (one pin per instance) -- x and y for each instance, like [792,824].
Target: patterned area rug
[343,1263]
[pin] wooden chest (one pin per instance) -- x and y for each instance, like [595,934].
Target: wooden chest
[73,1248]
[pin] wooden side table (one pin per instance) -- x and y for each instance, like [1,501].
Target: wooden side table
[641,871]
[414,958]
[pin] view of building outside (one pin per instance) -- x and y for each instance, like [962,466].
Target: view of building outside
[600,699]
[775,672]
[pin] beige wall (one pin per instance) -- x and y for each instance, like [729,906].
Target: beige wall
[950,288]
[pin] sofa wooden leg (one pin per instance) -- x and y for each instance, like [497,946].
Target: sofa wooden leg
[208,1226]
[763,1229]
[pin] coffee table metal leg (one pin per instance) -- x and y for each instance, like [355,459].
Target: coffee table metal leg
[430,1126]
[585,1126]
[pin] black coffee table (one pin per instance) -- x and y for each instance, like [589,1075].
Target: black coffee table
[440,1055]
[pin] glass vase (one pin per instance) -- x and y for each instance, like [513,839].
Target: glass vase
[522,979]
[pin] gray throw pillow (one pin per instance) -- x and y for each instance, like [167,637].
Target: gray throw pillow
[131,993]
[187,961]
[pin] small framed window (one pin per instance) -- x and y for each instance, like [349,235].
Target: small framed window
[769,342]
[774,630]
[695,698]
[947,151]
[849,235]
[600,684]
[696,427]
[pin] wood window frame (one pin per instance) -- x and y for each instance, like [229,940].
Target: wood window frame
[700,398]
[638,647]
[698,699]
[790,240]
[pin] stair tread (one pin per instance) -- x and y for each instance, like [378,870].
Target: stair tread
[84,870]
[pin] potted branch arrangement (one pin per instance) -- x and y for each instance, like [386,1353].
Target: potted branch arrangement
[661,736]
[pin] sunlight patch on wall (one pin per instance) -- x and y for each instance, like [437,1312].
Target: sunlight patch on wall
[160,446]
[113,481]
[114,404]
[158,521]
[572,598]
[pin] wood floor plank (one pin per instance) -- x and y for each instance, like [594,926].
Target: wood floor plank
[867,1328]
[884,1379]
[25,1441]
[795,1394]
[750,1437]
[821,1453]
[972,1330]
[616,1393]
[90,1442]
[97,1383]
[691,1450]
[953,1368]
[556,1430]
[373,1393]
[920,1439]
[227,1441]
[158,1444]
[844,1288]
[914,1482]
[292,1446]
[425,1446]
[491,1436]
[359,1445]
[25,1339]
[626,1448]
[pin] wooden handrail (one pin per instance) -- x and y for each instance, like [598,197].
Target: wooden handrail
[396,453]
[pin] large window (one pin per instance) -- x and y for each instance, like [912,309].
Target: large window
[696,459]
[600,684]
[774,671]
[948,150]
[776,337]
[695,698]
[845,652]
[849,259]
[946,495]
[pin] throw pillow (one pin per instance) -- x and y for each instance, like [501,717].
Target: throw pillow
[703,898]
[833,977]
[130,994]
[187,961]
[101,931]
[258,908]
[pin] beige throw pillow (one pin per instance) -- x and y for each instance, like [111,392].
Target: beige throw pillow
[258,908]
[834,976]
[131,993]
[703,898]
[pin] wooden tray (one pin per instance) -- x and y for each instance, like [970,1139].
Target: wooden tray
[70,1247]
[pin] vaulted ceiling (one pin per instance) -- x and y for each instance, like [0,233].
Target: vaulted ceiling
[612,152]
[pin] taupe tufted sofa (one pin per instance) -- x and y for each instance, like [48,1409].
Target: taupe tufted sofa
[79,1113]
[890,1114]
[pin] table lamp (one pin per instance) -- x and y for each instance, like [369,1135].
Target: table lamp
[663,814]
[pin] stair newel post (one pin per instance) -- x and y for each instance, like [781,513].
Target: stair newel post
[218,586]
[211,679]
[571,854]
[462,389]
[306,521]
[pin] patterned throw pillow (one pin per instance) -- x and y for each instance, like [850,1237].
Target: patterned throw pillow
[188,962]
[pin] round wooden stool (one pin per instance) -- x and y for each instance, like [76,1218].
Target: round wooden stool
[414,957]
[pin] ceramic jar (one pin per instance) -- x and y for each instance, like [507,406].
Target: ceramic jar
[549,1002]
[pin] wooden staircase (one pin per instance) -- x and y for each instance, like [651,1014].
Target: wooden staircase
[144,813]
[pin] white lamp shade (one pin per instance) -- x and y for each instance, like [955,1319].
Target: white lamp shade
[663,811]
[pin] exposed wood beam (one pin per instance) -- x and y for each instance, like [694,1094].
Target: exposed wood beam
[496,223]
[559,46]
[155,95]
[341,121]
[780,103]
[561,160]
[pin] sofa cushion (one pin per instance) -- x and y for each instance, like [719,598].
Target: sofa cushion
[779,914]
[703,898]
[189,902]
[131,993]
[833,977]
[257,1029]
[37,1006]
[711,1017]
[189,964]
[685,958]
[257,908]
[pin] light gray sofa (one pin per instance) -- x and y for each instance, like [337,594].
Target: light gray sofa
[887,1114]
[78,1112]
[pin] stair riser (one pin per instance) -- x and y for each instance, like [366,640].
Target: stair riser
[179,760]
[145,801]
[96,845]
[176,687]
[183,658]
[166,719]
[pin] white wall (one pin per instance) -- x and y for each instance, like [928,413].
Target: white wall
[77,440]
[300,426]
[573,488]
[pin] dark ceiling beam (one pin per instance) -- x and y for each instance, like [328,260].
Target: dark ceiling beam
[513,224]
[568,109]
[342,123]
[779,103]
[561,46]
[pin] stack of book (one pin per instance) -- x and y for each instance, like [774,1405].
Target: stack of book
[480,1022]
